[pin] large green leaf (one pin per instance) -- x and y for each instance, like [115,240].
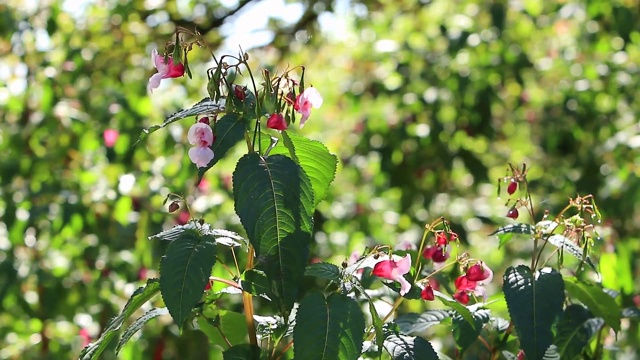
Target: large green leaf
[404,347]
[331,328]
[464,333]
[576,327]
[221,236]
[462,310]
[416,324]
[227,326]
[324,271]
[316,160]
[600,303]
[274,200]
[229,131]
[184,272]
[137,299]
[564,243]
[534,302]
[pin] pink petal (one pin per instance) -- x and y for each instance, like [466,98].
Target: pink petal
[110,137]
[313,97]
[154,82]
[404,265]
[200,134]
[201,156]
[405,286]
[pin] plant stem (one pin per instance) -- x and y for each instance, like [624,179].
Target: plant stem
[248,305]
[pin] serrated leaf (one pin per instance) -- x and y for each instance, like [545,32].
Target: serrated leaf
[551,353]
[459,308]
[464,333]
[229,130]
[316,161]
[184,272]
[534,302]
[323,270]
[138,324]
[516,229]
[600,303]
[256,283]
[221,236]
[242,352]
[274,200]
[137,299]
[564,243]
[416,324]
[203,107]
[331,328]
[575,329]
[404,347]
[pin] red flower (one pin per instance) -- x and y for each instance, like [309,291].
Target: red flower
[427,293]
[462,297]
[395,270]
[464,284]
[479,272]
[165,70]
[438,254]
[277,122]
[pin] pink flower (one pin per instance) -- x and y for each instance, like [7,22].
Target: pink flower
[201,156]
[310,97]
[472,282]
[200,135]
[277,122]
[110,137]
[462,297]
[165,70]
[395,270]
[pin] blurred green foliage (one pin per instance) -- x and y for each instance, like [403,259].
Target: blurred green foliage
[425,104]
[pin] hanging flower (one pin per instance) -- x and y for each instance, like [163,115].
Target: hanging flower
[438,254]
[165,70]
[200,135]
[427,293]
[394,270]
[473,282]
[277,122]
[310,97]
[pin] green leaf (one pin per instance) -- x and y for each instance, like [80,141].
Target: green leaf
[221,236]
[534,303]
[331,328]
[324,271]
[184,272]
[462,310]
[316,161]
[416,324]
[229,130]
[242,352]
[137,325]
[564,243]
[404,347]
[203,107]
[274,200]
[516,229]
[575,329]
[137,299]
[600,303]
[464,333]
[229,323]
[256,283]
[504,239]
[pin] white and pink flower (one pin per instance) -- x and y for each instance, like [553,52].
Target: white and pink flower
[200,135]
[165,70]
[309,98]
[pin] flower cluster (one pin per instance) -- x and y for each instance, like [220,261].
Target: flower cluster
[303,103]
[472,282]
[201,135]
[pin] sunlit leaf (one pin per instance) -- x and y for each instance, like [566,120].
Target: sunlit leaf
[600,303]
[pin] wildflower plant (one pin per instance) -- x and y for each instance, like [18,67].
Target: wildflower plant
[277,186]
